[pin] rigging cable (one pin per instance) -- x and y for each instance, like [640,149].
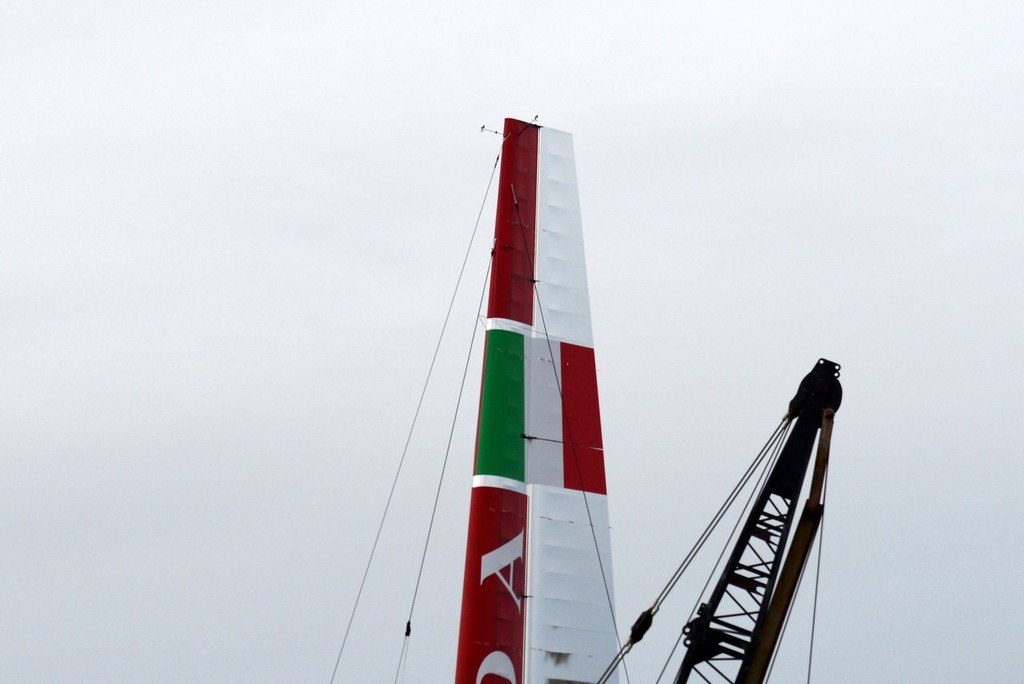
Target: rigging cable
[403,657]
[643,623]
[412,427]
[440,479]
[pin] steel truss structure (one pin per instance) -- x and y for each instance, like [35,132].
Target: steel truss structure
[727,641]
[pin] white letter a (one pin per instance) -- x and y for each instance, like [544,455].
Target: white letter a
[500,558]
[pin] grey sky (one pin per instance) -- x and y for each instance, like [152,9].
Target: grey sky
[230,231]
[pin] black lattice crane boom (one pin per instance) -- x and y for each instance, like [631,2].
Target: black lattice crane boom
[735,632]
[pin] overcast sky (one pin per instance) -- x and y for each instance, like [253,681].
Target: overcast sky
[230,232]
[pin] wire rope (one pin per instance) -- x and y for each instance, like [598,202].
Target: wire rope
[799,583]
[774,447]
[444,466]
[775,437]
[817,577]
[782,631]
[671,653]
[732,534]
[412,427]
[402,659]
[754,492]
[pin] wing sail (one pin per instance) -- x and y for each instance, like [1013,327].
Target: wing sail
[537,591]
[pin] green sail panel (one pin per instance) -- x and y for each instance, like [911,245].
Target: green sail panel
[500,444]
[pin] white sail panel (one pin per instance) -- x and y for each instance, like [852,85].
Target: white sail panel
[544,449]
[569,626]
[562,305]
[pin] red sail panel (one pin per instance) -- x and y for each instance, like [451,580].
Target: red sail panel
[512,271]
[491,633]
[583,450]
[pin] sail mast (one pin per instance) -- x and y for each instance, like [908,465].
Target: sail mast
[537,588]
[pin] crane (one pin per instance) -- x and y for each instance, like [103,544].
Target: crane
[735,632]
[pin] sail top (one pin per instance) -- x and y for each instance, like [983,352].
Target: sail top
[539,276]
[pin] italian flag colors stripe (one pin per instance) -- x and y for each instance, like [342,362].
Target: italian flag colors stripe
[536,585]
[500,445]
[503,444]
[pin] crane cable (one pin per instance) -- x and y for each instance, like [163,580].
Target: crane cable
[643,623]
[817,576]
[817,584]
[776,450]
[716,570]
